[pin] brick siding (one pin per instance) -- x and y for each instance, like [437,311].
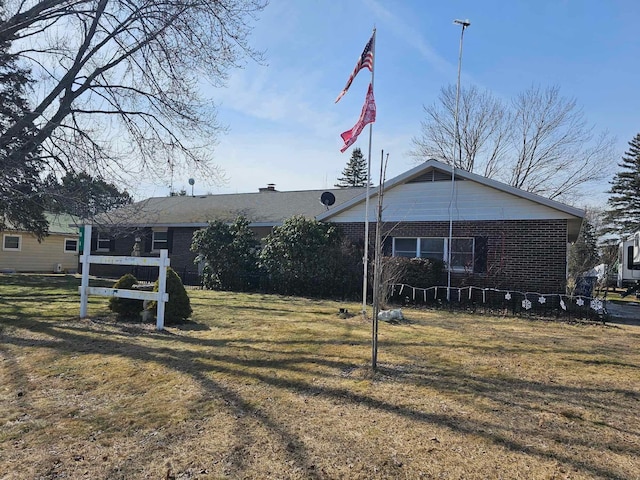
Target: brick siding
[524,255]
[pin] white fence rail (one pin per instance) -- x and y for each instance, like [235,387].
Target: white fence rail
[161,296]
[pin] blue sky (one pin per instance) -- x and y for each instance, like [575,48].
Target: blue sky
[284,127]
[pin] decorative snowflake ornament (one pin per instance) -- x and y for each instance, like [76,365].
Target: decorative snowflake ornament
[580,302]
[596,304]
[526,304]
[507,296]
[542,300]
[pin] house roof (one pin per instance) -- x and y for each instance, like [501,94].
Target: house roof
[266,208]
[573,215]
[271,207]
[59,224]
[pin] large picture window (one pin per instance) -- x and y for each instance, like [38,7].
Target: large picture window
[436,248]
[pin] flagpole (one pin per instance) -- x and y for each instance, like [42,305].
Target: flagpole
[457,148]
[365,259]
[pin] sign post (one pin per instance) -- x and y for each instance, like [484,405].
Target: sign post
[160,296]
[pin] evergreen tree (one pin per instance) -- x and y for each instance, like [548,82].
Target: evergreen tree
[623,216]
[82,195]
[20,182]
[583,254]
[355,173]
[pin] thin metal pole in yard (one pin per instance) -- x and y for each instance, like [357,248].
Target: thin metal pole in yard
[84,259]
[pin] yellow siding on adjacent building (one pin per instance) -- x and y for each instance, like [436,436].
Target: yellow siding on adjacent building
[38,257]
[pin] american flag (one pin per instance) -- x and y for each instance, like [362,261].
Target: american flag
[365,61]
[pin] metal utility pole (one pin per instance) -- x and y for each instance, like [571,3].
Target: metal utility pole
[457,149]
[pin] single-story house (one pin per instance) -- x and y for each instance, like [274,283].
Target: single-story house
[58,252]
[158,223]
[501,236]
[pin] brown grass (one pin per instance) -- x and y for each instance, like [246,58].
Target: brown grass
[260,386]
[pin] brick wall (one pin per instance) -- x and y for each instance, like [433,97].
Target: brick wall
[524,255]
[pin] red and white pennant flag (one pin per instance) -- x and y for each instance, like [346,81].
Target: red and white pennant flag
[368,115]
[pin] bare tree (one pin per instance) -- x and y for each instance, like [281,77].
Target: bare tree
[555,150]
[483,123]
[539,142]
[118,82]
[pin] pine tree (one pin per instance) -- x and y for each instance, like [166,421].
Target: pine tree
[355,173]
[623,216]
[80,194]
[20,183]
[583,254]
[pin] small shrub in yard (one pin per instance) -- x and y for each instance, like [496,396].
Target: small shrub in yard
[178,308]
[126,307]
[417,272]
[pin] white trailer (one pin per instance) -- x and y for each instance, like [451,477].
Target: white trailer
[629,262]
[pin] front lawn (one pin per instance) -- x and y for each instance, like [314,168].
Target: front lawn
[263,386]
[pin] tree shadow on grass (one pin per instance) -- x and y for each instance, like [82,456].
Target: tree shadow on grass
[520,397]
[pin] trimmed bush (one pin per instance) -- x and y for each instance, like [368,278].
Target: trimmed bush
[126,307]
[178,308]
[417,272]
[306,257]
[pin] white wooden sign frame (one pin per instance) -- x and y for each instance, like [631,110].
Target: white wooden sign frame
[161,296]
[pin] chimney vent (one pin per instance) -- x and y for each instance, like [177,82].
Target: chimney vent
[271,187]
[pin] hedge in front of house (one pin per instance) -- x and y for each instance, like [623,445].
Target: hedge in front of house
[417,272]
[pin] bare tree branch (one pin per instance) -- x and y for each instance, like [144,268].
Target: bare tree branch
[127,66]
[539,142]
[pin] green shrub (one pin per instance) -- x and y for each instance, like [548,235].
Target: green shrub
[307,257]
[126,307]
[229,252]
[417,272]
[178,308]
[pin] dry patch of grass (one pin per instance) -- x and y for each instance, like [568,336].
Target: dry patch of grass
[261,386]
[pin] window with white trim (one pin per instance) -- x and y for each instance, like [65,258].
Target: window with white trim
[70,245]
[11,243]
[160,240]
[436,248]
[462,253]
[104,243]
[405,247]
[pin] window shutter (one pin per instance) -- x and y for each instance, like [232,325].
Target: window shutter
[148,241]
[387,246]
[170,239]
[112,244]
[480,254]
[94,243]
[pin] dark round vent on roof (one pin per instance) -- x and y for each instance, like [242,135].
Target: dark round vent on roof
[327,199]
